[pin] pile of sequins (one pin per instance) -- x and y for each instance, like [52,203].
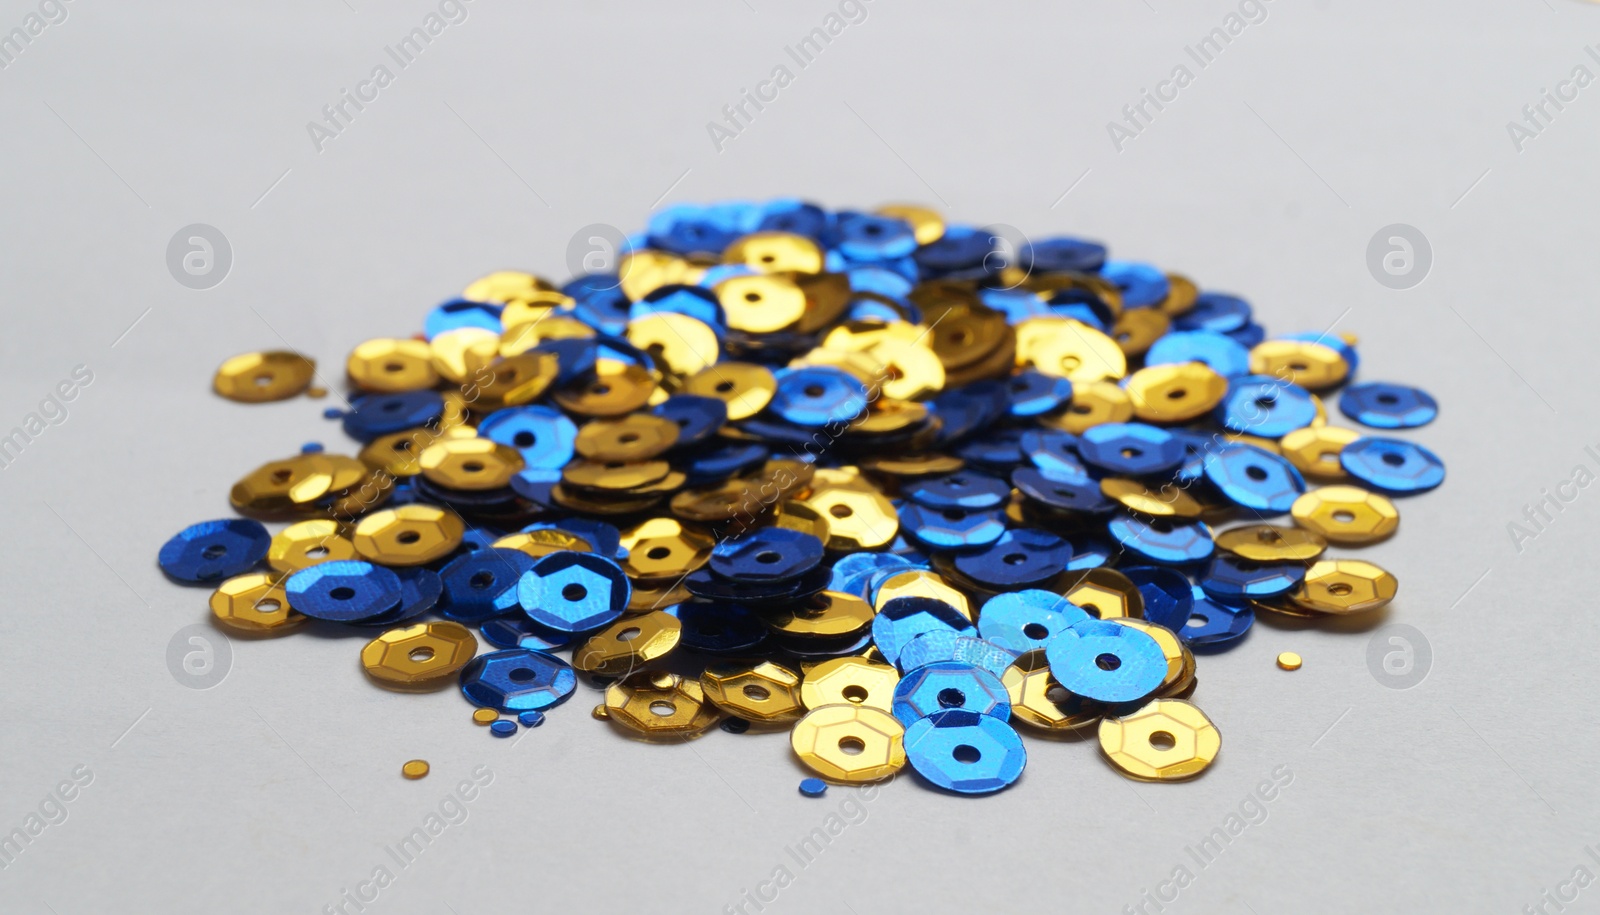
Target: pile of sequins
[858,476]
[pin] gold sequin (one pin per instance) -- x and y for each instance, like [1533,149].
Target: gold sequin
[1166,740]
[260,377]
[389,365]
[1346,514]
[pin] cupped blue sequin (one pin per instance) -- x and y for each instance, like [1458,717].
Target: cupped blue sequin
[1022,556]
[1224,355]
[1167,594]
[1035,393]
[1233,578]
[791,215]
[374,415]
[544,436]
[1214,311]
[818,396]
[770,554]
[949,684]
[1142,285]
[952,528]
[1397,467]
[904,618]
[967,489]
[1062,255]
[1106,661]
[482,584]
[867,237]
[964,752]
[1388,406]
[1066,492]
[458,313]
[214,550]
[573,592]
[420,590]
[343,590]
[1252,478]
[962,252]
[1053,451]
[502,728]
[720,628]
[1215,626]
[517,631]
[944,645]
[850,573]
[1028,619]
[517,680]
[1130,449]
[1265,406]
[698,418]
[1164,540]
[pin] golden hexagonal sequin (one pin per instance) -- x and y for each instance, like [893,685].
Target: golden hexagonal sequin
[408,535]
[388,365]
[1269,543]
[307,543]
[855,519]
[1346,514]
[254,602]
[260,377]
[655,705]
[1038,701]
[849,681]
[1166,740]
[1105,593]
[850,743]
[1314,450]
[419,657]
[765,693]
[1342,586]
[629,644]
[470,463]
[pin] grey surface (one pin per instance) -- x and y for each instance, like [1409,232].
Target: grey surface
[278,789]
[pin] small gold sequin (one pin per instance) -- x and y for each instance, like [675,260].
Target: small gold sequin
[504,286]
[1313,366]
[307,543]
[1172,500]
[261,377]
[1181,295]
[628,644]
[1314,451]
[1166,740]
[764,693]
[414,769]
[850,743]
[1064,348]
[388,365]
[856,520]
[654,705]
[463,353]
[1093,404]
[1175,393]
[515,380]
[254,602]
[485,716]
[1346,514]
[617,388]
[926,224]
[1288,660]
[849,681]
[685,345]
[1342,586]
[745,387]
[761,303]
[408,535]
[417,657]
[1267,543]
[636,437]
[469,463]
[1137,328]
[1105,593]
[827,614]
[775,252]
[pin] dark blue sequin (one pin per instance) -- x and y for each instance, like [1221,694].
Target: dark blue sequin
[214,550]
[1388,406]
[1394,466]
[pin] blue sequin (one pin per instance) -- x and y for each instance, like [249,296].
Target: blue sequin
[458,313]
[343,590]
[1107,661]
[1162,540]
[965,753]
[1130,449]
[1252,478]
[1035,394]
[1215,626]
[698,418]
[1142,285]
[1066,492]
[1214,311]
[482,584]
[1024,620]
[542,435]
[700,304]
[375,415]
[904,618]
[1223,354]
[1062,255]
[818,396]
[952,528]
[1394,466]
[214,550]
[1022,557]
[770,554]
[573,592]
[1234,578]
[517,680]
[949,684]
[866,237]
[1264,406]
[1168,596]
[1388,406]
[963,489]
[813,787]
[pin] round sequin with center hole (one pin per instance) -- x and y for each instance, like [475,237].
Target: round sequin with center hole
[1394,466]
[850,743]
[214,550]
[1028,619]
[1266,543]
[573,592]
[965,752]
[1166,740]
[254,602]
[946,685]
[1341,586]
[656,705]
[343,591]
[261,377]
[849,681]
[1388,406]
[418,657]
[1346,515]
[306,543]
[1100,660]
[408,535]
[516,680]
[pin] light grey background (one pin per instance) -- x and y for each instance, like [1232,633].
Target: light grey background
[278,789]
